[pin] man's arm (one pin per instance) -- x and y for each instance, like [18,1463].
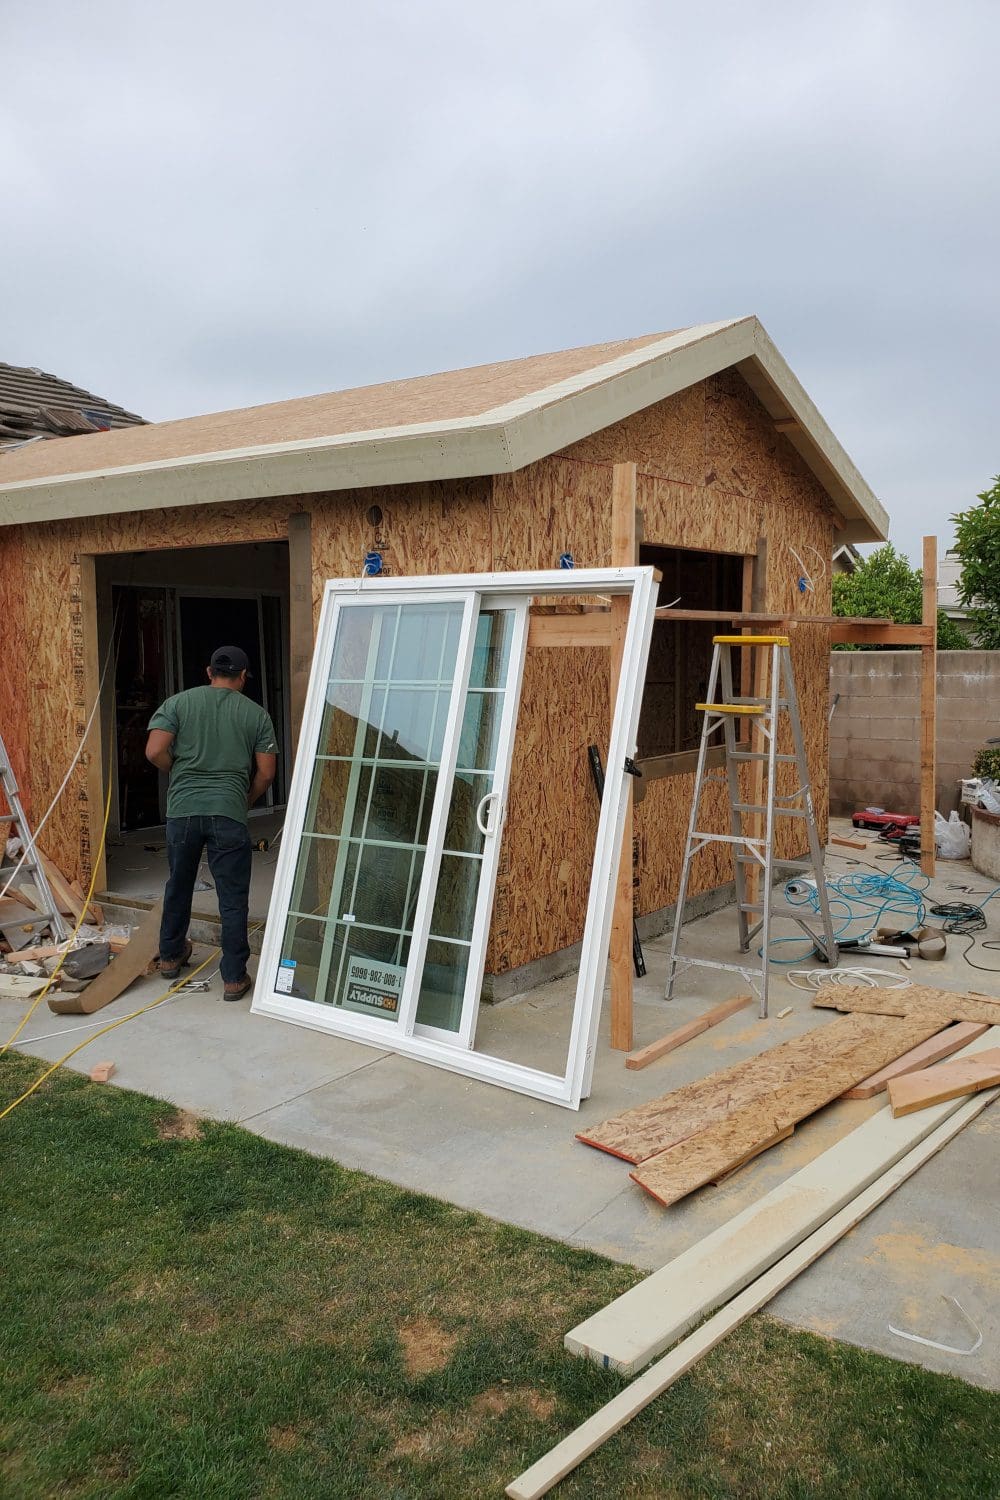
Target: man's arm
[265,768]
[158,749]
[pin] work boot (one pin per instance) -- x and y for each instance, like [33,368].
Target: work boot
[238,988]
[170,968]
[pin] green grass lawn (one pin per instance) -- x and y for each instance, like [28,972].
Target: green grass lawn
[188,1310]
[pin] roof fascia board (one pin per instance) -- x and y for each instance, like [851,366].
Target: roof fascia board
[769,376]
[547,429]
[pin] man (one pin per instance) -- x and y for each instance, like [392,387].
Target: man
[208,738]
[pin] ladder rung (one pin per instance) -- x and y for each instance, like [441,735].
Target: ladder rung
[729,708]
[762,755]
[749,640]
[779,812]
[798,863]
[750,906]
[728,838]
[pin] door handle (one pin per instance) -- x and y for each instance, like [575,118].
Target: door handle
[488,827]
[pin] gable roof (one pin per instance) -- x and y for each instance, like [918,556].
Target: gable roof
[34,404]
[487,420]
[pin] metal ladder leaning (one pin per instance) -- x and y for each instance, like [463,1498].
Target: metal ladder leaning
[776,697]
[31,868]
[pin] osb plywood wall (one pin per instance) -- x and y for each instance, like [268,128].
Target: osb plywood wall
[713,474]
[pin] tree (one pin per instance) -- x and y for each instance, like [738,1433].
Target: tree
[886,586]
[977,542]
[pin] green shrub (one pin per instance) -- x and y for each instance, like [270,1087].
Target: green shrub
[987,763]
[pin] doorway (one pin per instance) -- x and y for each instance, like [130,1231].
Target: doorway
[167,612]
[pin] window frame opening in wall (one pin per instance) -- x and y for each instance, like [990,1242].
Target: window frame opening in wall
[681,652]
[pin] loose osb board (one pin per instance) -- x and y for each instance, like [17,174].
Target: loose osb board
[943,1045]
[950,1081]
[639,1133]
[671,1175]
[919,999]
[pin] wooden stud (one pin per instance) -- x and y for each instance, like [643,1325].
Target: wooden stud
[849,843]
[928,710]
[869,634]
[950,1081]
[623,555]
[943,1045]
[300,616]
[674,1039]
[569,630]
[93,755]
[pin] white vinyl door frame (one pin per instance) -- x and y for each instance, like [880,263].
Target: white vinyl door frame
[569,1087]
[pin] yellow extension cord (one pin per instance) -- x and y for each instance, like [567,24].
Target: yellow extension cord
[111,1024]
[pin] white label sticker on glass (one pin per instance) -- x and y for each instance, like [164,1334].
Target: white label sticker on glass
[373,987]
[286,976]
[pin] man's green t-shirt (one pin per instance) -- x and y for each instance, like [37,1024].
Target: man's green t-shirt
[216,732]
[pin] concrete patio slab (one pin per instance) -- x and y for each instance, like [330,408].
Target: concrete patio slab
[517,1159]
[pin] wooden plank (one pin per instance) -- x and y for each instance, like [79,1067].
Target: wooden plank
[62,893]
[849,843]
[91,809]
[672,1174]
[949,1081]
[918,999]
[673,1039]
[928,709]
[943,1045]
[122,971]
[639,1133]
[300,616]
[870,634]
[20,986]
[551,630]
[537,1480]
[623,554]
[642,1322]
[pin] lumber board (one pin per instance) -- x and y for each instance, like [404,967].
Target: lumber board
[943,1045]
[849,843]
[623,554]
[569,630]
[670,1175]
[639,1133]
[918,999]
[68,903]
[928,707]
[673,1039]
[637,1326]
[867,633]
[547,1471]
[950,1081]
[20,986]
[122,971]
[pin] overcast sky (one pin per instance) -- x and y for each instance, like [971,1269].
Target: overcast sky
[213,204]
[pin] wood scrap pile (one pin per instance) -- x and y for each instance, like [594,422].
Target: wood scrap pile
[702,1131]
[31,953]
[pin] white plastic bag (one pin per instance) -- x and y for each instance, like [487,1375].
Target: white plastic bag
[989,797]
[951,838]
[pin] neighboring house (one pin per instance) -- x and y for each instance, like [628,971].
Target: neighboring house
[35,405]
[949,575]
[174,537]
[846,558]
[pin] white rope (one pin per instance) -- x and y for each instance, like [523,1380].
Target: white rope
[815,979]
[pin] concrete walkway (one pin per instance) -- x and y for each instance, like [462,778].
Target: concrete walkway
[517,1160]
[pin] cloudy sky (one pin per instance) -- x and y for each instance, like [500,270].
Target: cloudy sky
[218,203]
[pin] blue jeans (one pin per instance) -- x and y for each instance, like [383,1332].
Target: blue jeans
[229,859]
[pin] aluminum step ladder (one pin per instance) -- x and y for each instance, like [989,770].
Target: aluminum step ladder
[773,704]
[48,913]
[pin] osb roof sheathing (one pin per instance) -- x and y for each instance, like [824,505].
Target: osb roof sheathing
[490,419]
[448,396]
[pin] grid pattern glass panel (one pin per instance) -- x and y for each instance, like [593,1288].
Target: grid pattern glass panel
[364,838]
[442,988]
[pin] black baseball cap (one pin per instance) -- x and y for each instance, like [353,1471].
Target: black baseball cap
[230,661]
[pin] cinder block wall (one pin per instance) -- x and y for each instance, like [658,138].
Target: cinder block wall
[875,736]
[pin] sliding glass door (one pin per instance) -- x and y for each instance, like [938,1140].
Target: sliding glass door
[394,873]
